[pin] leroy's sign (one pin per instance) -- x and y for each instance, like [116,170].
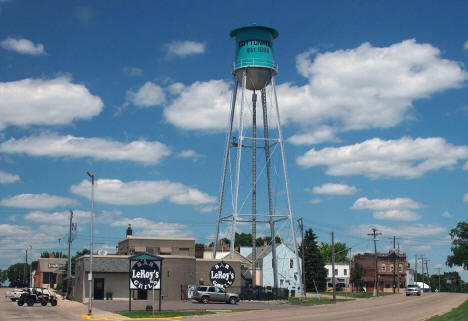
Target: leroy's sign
[222,275]
[145,275]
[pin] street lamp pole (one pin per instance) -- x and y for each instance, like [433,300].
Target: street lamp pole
[90,275]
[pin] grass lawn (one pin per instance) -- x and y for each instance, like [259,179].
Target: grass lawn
[360,295]
[314,301]
[458,314]
[174,313]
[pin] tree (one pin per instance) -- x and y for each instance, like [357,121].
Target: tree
[74,257]
[314,265]
[459,249]
[357,273]
[3,276]
[341,252]
[16,273]
[46,254]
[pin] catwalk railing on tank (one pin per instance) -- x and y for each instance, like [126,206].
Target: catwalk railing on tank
[254,62]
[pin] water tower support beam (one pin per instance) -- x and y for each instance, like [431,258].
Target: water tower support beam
[254,189]
[226,160]
[270,198]
[238,166]
[288,191]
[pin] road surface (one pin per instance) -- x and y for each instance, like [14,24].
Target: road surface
[387,308]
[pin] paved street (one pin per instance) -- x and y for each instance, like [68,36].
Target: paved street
[388,308]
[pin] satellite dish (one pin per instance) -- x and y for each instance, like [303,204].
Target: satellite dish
[102,252]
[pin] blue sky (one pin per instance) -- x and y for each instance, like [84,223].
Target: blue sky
[372,96]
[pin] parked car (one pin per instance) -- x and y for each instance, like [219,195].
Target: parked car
[413,289]
[14,294]
[205,294]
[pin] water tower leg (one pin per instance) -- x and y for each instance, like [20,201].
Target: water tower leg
[288,191]
[226,160]
[254,188]
[270,198]
[238,165]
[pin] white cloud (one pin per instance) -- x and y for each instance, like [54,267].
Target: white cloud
[37,201]
[320,135]
[6,178]
[207,208]
[189,153]
[396,215]
[361,88]
[364,203]
[466,198]
[53,145]
[155,229]
[148,95]
[114,191]
[334,189]
[200,106]
[406,231]
[465,46]
[397,209]
[446,214]
[184,48]
[23,46]
[367,87]
[408,158]
[63,217]
[45,102]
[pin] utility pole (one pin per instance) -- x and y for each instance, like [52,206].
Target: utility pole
[399,276]
[394,265]
[300,221]
[376,285]
[26,268]
[69,252]
[422,270]
[415,268]
[427,271]
[333,267]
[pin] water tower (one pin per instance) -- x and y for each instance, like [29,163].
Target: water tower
[254,71]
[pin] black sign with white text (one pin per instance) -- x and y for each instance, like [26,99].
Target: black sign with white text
[222,275]
[145,275]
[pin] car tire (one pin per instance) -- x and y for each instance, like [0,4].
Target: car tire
[232,300]
[20,302]
[43,303]
[205,300]
[53,302]
[30,302]
[419,294]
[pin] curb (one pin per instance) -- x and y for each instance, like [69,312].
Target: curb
[87,317]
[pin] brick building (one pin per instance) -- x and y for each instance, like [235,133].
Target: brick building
[386,277]
[49,271]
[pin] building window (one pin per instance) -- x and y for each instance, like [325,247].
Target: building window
[391,268]
[150,250]
[291,263]
[345,271]
[384,268]
[336,271]
[184,249]
[400,268]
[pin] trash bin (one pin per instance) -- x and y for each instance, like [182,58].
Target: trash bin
[108,295]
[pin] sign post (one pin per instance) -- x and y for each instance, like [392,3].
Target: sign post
[145,273]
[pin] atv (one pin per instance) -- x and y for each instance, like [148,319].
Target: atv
[28,296]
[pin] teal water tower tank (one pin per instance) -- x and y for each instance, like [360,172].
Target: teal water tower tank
[254,55]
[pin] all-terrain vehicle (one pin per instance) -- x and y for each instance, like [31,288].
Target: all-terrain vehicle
[37,295]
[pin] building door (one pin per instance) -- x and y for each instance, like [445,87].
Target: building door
[98,289]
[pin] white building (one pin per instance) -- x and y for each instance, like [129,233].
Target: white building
[286,262]
[342,272]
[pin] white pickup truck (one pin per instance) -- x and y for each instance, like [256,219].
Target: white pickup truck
[14,294]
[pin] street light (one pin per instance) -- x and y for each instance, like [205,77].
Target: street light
[90,275]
